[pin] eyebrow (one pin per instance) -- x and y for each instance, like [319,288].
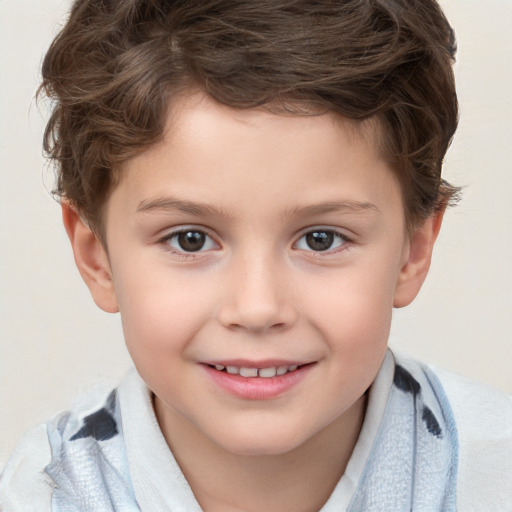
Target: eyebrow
[170,204]
[336,207]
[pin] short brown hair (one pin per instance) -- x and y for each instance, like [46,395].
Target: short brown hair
[114,67]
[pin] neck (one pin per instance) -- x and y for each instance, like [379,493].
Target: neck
[301,479]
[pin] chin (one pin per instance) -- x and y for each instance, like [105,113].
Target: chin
[261,443]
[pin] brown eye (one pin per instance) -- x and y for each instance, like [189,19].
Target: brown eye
[320,240]
[191,241]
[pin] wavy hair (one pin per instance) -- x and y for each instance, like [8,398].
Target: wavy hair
[117,64]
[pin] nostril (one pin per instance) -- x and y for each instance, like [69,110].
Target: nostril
[256,307]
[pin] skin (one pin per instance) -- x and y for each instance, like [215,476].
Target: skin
[256,184]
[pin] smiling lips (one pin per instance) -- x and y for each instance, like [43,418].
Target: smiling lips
[262,382]
[268,372]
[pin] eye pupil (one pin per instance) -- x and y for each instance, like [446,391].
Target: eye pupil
[191,241]
[320,240]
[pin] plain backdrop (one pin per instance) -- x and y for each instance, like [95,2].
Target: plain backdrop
[54,342]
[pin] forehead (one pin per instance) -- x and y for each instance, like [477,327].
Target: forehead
[192,108]
[212,153]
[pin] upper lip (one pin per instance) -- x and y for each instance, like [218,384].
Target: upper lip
[266,363]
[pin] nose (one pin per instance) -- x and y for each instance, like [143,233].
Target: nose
[258,296]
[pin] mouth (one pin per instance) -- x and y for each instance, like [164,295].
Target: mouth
[252,372]
[257,381]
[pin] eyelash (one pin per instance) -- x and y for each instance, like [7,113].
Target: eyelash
[343,240]
[180,252]
[336,235]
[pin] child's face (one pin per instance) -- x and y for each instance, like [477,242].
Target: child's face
[255,240]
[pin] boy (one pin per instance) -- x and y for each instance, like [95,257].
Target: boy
[254,186]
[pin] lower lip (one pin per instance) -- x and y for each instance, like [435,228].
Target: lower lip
[257,388]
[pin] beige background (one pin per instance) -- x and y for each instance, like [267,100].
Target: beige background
[54,342]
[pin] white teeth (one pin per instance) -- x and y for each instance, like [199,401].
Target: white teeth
[249,372]
[256,372]
[267,372]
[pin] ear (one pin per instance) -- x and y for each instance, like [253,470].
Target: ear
[91,259]
[417,259]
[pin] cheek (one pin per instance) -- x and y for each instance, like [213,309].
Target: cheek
[353,308]
[355,322]
[161,311]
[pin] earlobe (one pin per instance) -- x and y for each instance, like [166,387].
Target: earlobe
[91,259]
[417,259]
